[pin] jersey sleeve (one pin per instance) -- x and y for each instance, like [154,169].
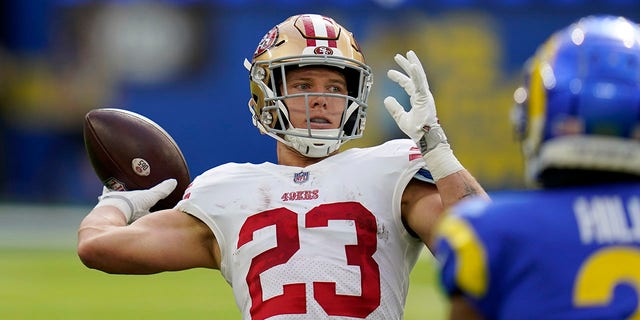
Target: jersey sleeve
[462,258]
[414,154]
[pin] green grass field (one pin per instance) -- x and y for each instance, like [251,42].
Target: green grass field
[53,284]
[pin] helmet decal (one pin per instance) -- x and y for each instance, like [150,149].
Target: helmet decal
[323,50]
[319,31]
[267,42]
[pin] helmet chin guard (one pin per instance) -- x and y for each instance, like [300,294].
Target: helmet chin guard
[310,142]
[302,41]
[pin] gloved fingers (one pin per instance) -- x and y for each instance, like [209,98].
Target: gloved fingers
[417,74]
[403,62]
[413,59]
[165,187]
[394,107]
[415,79]
[403,80]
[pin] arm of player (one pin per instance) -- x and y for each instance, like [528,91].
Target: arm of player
[154,243]
[421,124]
[461,309]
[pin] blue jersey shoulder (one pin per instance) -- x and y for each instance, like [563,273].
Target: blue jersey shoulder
[528,252]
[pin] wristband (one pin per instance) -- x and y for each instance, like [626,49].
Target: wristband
[441,162]
[122,203]
[432,137]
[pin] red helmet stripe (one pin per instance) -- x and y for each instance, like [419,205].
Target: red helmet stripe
[309,31]
[319,27]
[331,33]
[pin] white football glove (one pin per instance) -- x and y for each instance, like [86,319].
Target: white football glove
[136,204]
[422,116]
[420,123]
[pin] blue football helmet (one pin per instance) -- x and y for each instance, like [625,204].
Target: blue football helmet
[578,109]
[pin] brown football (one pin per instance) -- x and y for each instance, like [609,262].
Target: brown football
[130,152]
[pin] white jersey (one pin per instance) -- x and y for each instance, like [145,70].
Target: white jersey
[321,242]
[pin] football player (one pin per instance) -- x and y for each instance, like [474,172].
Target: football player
[322,232]
[571,249]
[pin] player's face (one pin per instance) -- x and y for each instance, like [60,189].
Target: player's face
[324,112]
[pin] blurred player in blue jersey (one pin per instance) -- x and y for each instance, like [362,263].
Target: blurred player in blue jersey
[572,249]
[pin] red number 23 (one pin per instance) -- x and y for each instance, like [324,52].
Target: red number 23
[292,300]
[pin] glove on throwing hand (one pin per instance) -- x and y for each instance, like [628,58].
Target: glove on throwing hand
[136,204]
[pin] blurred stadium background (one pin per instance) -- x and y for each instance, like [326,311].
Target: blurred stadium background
[179,62]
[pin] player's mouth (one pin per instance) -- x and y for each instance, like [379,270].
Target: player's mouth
[319,123]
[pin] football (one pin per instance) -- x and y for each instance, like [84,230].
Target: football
[131,152]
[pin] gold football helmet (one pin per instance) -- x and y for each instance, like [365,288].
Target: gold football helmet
[307,40]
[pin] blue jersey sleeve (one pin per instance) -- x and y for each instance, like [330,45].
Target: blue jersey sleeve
[461,253]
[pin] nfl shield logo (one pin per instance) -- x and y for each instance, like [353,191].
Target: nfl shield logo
[301,177]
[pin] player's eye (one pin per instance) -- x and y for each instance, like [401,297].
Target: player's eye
[299,86]
[337,89]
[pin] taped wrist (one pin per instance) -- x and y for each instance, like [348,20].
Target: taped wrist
[432,137]
[120,202]
[441,162]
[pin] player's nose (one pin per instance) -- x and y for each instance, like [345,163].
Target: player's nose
[318,101]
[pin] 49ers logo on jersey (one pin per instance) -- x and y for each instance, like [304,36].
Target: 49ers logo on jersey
[300,195]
